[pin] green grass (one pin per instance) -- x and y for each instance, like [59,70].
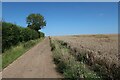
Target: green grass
[0,62]
[14,52]
[0,49]
[68,65]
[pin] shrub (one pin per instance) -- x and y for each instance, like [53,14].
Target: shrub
[41,34]
[29,44]
[28,34]
[10,35]
[13,34]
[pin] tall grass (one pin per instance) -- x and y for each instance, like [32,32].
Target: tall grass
[68,65]
[0,62]
[98,65]
[14,52]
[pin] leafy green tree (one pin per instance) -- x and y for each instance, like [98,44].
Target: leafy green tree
[36,21]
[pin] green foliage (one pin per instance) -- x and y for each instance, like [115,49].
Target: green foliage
[13,34]
[29,43]
[35,21]
[16,51]
[68,65]
[28,34]
[10,35]
[41,34]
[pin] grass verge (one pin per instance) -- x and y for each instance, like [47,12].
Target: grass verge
[14,52]
[68,65]
[98,66]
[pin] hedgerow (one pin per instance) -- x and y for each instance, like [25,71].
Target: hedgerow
[13,34]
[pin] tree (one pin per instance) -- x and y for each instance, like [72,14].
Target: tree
[35,21]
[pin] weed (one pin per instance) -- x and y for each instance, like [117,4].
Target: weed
[14,52]
[67,63]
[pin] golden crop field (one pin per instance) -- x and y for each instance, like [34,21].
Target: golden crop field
[101,49]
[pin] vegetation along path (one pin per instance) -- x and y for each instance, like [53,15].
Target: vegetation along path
[35,63]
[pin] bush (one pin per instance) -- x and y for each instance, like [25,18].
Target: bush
[10,35]
[29,44]
[13,34]
[28,34]
[41,34]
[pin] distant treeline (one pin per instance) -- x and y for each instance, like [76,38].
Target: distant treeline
[12,34]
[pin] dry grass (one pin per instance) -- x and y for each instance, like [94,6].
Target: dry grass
[68,65]
[99,50]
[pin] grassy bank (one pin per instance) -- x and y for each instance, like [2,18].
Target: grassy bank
[98,65]
[14,52]
[68,65]
[100,52]
[0,62]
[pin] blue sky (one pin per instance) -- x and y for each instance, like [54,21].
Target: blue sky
[65,18]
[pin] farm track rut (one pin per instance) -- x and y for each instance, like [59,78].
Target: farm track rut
[35,63]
